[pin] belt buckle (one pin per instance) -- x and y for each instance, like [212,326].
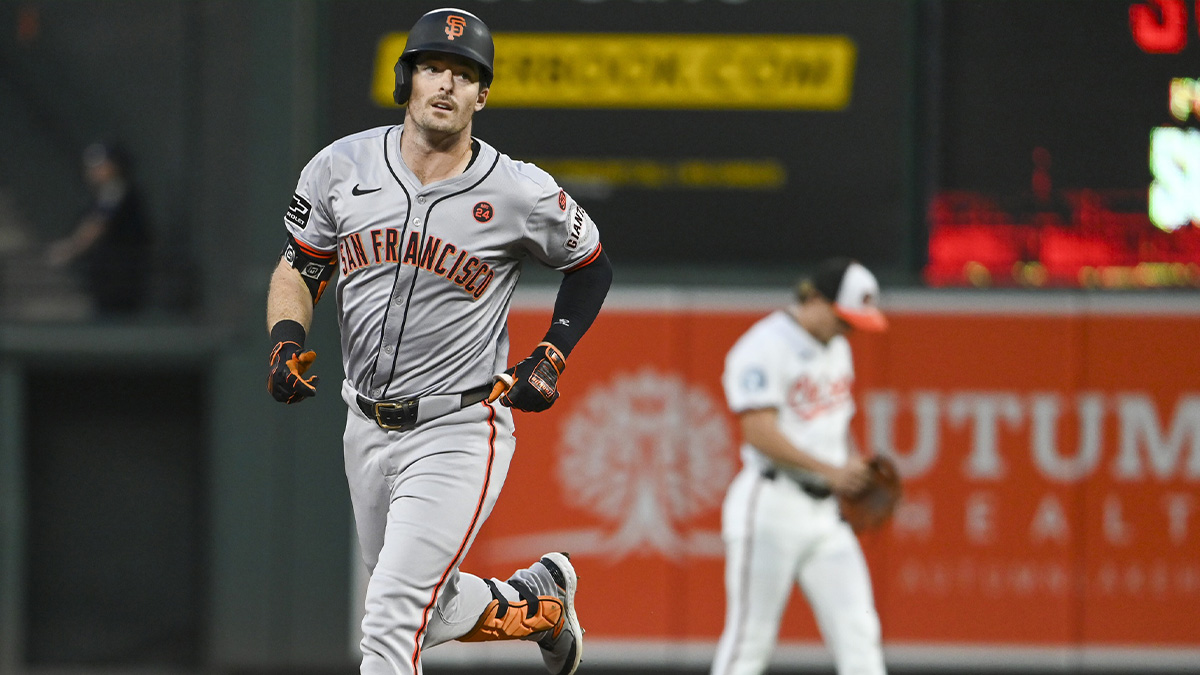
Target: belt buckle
[406,413]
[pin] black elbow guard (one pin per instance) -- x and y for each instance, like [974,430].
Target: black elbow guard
[316,268]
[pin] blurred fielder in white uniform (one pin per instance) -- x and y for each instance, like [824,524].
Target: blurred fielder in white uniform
[789,380]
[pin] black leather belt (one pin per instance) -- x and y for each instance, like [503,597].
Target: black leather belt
[405,414]
[811,489]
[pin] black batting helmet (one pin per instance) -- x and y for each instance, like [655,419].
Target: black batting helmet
[445,30]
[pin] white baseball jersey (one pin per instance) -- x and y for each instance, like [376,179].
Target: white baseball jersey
[428,271]
[776,534]
[777,364]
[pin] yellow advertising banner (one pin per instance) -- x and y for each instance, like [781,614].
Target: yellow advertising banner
[657,71]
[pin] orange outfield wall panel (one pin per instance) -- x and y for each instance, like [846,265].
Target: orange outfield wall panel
[1051,463]
[1141,560]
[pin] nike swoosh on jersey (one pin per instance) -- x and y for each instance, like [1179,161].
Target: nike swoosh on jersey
[357,191]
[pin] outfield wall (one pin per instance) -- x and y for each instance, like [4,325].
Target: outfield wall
[1050,446]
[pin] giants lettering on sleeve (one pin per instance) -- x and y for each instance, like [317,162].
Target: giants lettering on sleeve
[580,224]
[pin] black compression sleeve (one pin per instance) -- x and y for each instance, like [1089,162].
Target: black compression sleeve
[580,296]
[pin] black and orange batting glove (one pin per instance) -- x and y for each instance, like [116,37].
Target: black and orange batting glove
[532,384]
[286,380]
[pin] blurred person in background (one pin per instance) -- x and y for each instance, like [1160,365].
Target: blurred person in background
[110,247]
[789,380]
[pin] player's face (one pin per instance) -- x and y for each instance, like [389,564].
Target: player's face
[446,93]
[825,324]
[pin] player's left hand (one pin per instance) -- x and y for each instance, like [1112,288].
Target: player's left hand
[286,380]
[532,384]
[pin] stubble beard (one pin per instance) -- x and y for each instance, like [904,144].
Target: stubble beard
[443,125]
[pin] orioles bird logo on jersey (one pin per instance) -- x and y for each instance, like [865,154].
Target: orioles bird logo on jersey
[454,26]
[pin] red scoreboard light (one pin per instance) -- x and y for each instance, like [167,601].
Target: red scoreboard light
[1160,26]
[1134,222]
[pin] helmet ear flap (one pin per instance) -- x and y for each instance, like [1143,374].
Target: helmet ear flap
[403,81]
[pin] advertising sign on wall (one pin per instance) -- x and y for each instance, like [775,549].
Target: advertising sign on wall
[1050,453]
[700,135]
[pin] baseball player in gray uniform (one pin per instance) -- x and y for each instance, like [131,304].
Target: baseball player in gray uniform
[427,229]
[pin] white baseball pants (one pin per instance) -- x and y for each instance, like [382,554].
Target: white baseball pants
[776,535]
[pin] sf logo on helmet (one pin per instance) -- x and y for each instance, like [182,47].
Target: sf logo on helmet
[454,26]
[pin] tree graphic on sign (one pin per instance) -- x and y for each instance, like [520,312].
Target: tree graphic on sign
[646,452]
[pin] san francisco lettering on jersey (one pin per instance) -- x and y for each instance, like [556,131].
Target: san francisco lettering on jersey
[444,259]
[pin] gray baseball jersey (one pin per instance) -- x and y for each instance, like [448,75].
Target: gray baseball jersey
[428,271]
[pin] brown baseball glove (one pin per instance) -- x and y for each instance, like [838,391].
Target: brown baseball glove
[872,506]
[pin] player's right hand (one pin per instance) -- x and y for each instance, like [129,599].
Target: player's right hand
[286,380]
[851,478]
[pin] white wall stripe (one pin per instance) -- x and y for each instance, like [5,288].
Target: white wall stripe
[906,301]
